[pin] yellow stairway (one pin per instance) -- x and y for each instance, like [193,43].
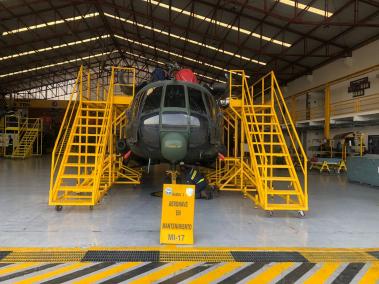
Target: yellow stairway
[84,162]
[29,134]
[269,134]
[79,158]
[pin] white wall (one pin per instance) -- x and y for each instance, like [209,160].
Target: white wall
[362,58]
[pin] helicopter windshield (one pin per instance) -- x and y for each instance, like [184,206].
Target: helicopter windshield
[175,96]
[153,99]
[196,101]
[175,105]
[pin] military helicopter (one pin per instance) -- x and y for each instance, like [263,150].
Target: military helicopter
[173,119]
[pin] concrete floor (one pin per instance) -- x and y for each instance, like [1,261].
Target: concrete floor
[341,214]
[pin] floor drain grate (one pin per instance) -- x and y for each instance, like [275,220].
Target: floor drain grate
[134,256]
[207,256]
[268,256]
[339,256]
[44,256]
[3,254]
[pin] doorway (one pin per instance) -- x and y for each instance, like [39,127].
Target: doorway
[373,144]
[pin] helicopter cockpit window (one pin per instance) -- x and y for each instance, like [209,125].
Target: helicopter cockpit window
[196,101]
[175,96]
[153,99]
[174,119]
[154,120]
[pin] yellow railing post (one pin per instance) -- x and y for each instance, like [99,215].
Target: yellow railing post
[327,113]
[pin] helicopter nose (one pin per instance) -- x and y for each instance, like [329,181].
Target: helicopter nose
[173,146]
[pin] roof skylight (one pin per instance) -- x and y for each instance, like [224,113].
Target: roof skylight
[52,23]
[52,47]
[218,23]
[309,9]
[186,39]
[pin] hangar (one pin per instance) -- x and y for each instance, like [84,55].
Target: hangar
[201,141]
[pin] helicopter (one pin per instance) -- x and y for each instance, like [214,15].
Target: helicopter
[173,119]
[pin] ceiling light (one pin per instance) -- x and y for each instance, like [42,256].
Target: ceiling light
[209,77]
[307,8]
[85,58]
[55,64]
[217,23]
[186,39]
[173,54]
[164,64]
[52,47]
[52,23]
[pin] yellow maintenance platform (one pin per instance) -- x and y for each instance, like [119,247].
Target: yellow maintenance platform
[84,161]
[26,134]
[263,146]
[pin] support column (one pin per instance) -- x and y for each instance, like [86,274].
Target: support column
[327,112]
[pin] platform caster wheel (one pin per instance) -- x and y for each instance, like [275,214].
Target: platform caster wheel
[58,208]
[270,213]
[91,207]
[301,213]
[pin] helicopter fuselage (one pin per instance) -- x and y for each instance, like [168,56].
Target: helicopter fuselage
[173,121]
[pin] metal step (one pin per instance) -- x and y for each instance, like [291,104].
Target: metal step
[279,178]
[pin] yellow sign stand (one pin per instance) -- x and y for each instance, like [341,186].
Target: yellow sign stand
[178,210]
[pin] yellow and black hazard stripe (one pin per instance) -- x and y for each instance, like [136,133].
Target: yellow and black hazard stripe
[196,265]
[172,254]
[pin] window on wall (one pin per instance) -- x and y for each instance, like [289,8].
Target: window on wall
[153,99]
[196,101]
[175,96]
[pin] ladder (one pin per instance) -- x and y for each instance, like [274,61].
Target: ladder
[80,150]
[83,160]
[266,147]
[29,133]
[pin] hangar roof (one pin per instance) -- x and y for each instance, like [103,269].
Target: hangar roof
[43,41]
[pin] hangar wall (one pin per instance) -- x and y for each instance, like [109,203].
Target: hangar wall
[344,103]
[361,58]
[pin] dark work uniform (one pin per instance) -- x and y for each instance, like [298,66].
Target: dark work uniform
[193,176]
[10,146]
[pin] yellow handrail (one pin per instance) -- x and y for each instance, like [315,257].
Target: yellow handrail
[281,102]
[266,91]
[66,122]
[294,137]
[247,103]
